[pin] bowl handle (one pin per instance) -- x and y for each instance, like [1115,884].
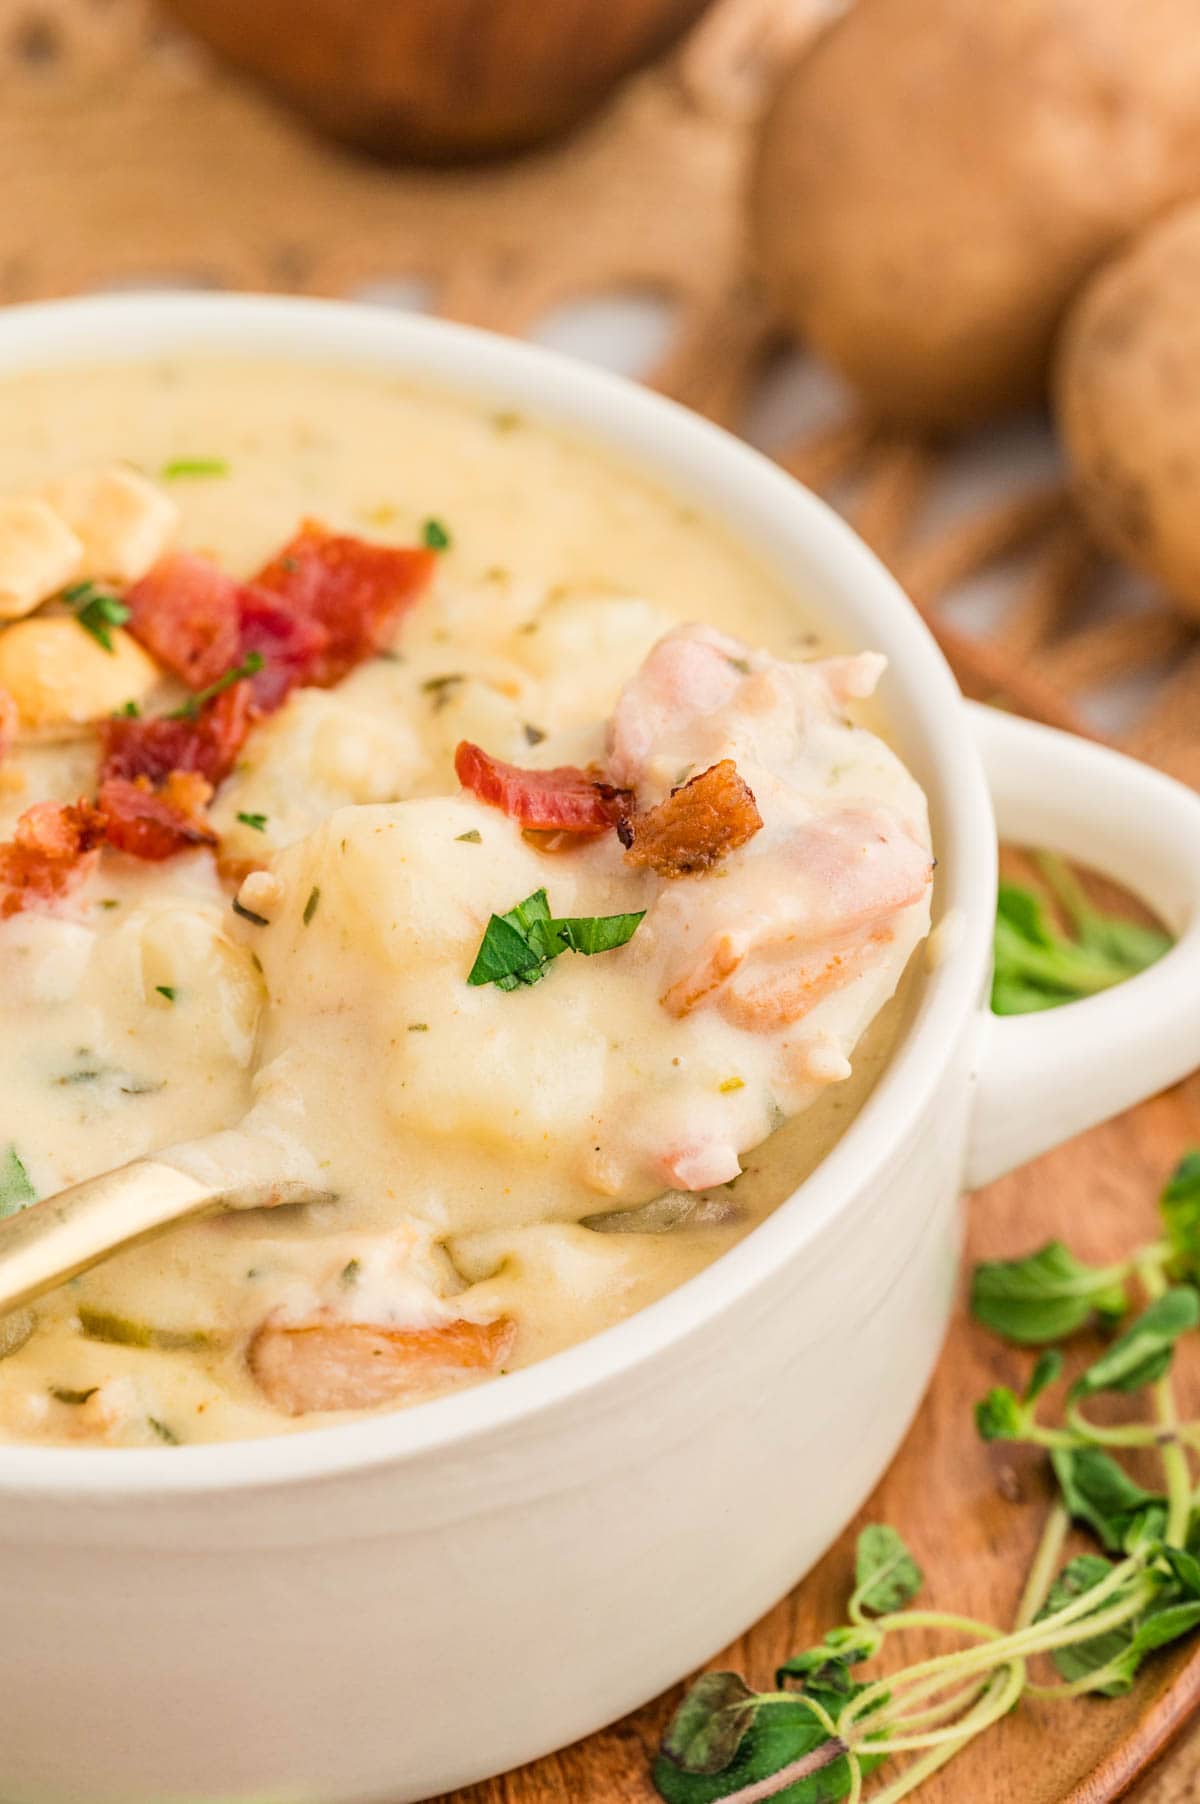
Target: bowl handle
[1046,1076]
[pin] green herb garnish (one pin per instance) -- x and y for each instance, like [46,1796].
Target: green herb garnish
[256,821]
[124,1331]
[1037,967]
[472,837]
[248,914]
[194,466]
[250,665]
[16,1192]
[435,536]
[165,989]
[62,1394]
[310,907]
[441,688]
[97,610]
[127,711]
[161,1430]
[1046,1296]
[518,947]
[821,1729]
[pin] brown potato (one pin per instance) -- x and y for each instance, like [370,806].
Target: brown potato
[1127,395]
[439,79]
[936,177]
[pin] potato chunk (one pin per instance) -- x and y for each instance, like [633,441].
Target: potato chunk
[57,674]
[123,522]
[38,554]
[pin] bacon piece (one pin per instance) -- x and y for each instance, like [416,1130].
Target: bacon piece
[566,797]
[53,848]
[209,743]
[315,611]
[354,590]
[696,826]
[291,646]
[154,824]
[185,612]
[199,623]
[325,1364]
[326,602]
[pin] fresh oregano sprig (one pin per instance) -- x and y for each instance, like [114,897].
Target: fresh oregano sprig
[1038,967]
[821,1733]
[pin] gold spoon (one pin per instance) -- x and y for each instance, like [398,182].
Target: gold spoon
[65,1234]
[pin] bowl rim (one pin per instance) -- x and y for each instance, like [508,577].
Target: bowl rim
[687,454]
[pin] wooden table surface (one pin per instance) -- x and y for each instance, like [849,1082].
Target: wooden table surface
[972,1514]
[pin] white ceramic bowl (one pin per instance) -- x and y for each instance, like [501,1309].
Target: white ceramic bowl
[389,1609]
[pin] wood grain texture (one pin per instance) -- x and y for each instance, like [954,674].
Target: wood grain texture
[972,1514]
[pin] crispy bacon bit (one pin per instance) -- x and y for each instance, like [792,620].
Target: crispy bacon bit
[323,605]
[8,723]
[325,1364]
[185,612]
[356,591]
[696,826]
[199,623]
[209,743]
[290,645]
[566,798]
[53,848]
[154,823]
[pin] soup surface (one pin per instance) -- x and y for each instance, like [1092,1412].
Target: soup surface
[540,1049]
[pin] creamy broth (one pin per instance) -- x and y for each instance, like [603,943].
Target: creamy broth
[143,1012]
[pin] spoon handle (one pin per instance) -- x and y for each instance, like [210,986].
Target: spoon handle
[63,1235]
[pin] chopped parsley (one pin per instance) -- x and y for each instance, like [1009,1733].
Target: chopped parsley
[164,1433]
[440,688]
[97,610]
[418,1027]
[257,821]
[310,907]
[518,947]
[61,1394]
[435,536]
[472,837]
[533,735]
[165,989]
[16,1192]
[194,466]
[127,711]
[250,665]
[248,914]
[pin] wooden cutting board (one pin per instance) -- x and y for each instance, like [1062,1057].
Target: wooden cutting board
[972,1515]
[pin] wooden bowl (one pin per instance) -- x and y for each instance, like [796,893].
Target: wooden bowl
[439,79]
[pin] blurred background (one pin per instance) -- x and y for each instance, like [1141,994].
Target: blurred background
[936,257]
